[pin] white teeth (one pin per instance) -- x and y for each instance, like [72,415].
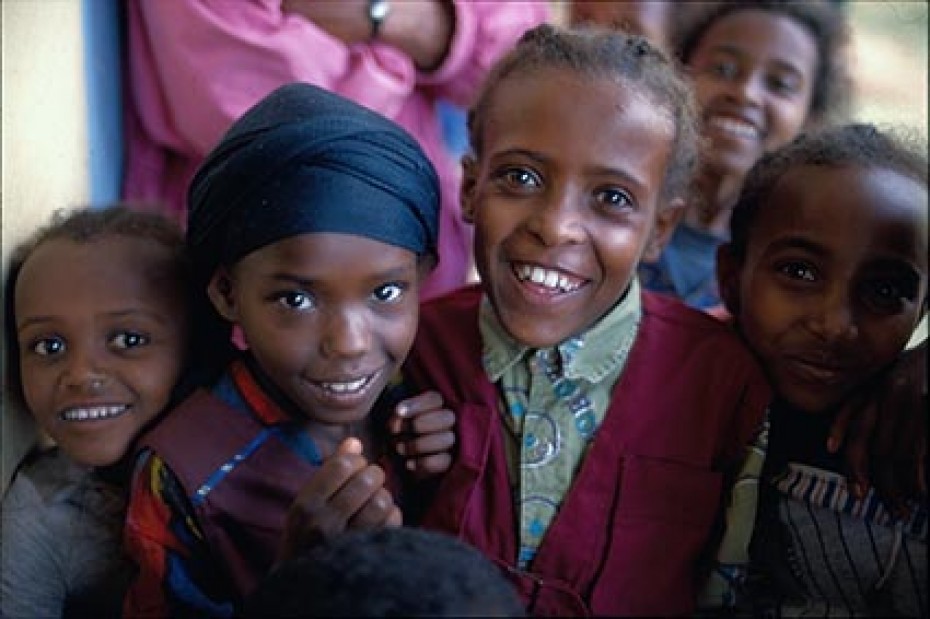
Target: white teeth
[93,413]
[547,278]
[736,127]
[344,388]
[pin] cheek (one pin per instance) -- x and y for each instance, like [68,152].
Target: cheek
[398,334]
[789,119]
[37,386]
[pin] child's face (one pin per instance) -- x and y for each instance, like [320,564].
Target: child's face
[564,199]
[834,279]
[101,330]
[753,74]
[329,318]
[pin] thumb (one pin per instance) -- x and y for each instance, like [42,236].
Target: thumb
[350,445]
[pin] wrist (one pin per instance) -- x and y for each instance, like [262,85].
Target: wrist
[378,11]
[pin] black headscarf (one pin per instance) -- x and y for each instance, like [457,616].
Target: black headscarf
[306,160]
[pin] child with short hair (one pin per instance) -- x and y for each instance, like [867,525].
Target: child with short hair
[597,425]
[397,572]
[762,72]
[826,277]
[96,326]
[312,224]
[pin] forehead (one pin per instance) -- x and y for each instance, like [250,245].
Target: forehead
[762,35]
[849,208]
[103,270]
[316,253]
[596,119]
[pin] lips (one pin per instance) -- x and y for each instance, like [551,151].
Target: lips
[552,281]
[347,387]
[93,413]
[348,391]
[818,370]
[734,127]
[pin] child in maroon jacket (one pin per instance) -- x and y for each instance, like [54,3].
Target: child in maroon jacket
[599,428]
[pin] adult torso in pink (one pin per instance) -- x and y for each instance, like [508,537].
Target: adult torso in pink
[197,65]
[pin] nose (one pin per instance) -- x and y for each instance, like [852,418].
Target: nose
[747,89]
[84,370]
[346,333]
[835,318]
[558,218]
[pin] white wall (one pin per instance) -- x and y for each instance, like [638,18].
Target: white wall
[44,141]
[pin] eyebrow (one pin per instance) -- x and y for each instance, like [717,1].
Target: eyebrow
[119,314]
[797,242]
[597,169]
[387,274]
[733,50]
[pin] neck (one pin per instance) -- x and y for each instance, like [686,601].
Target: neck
[713,203]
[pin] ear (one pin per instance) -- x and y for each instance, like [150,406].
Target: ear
[728,278]
[468,188]
[666,221]
[220,291]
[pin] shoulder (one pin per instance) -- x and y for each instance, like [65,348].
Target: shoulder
[696,348]
[452,314]
[47,477]
[200,411]
[689,324]
[459,302]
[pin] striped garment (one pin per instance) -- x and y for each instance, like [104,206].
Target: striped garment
[821,552]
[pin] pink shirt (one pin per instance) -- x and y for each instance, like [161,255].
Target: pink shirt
[196,65]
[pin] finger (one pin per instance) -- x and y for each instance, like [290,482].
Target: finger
[350,445]
[395,519]
[430,465]
[426,444]
[424,402]
[357,491]
[432,421]
[375,512]
[332,475]
[858,440]
[837,433]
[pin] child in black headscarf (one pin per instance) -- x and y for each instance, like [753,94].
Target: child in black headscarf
[311,226]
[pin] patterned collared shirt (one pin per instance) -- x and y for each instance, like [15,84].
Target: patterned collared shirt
[552,402]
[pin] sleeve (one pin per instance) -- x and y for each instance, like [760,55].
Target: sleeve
[484,31]
[213,59]
[32,583]
[175,576]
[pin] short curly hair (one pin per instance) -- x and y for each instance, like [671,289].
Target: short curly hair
[604,53]
[827,23]
[394,572]
[858,144]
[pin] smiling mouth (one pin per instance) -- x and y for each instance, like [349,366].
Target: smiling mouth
[346,391]
[348,387]
[733,127]
[93,413]
[551,280]
[812,372]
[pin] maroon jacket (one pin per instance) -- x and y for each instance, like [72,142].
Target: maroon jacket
[641,512]
[243,514]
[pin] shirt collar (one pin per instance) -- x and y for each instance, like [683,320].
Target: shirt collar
[590,355]
[256,397]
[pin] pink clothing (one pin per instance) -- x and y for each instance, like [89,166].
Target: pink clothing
[197,65]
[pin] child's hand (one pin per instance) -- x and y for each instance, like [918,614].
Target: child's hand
[345,493]
[423,434]
[886,429]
